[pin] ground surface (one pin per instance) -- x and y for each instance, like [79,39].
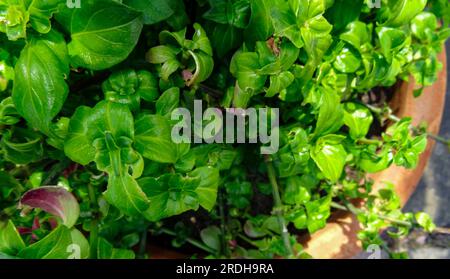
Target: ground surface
[433,192]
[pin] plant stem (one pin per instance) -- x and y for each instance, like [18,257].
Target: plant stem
[55,171]
[370,141]
[278,206]
[246,239]
[192,241]
[223,228]
[356,211]
[394,118]
[93,236]
[143,245]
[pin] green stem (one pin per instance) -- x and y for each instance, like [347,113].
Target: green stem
[394,118]
[246,239]
[55,171]
[356,211]
[439,139]
[223,226]
[143,245]
[278,206]
[93,236]
[369,141]
[192,241]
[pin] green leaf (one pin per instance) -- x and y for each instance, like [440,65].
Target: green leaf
[196,55]
[330,156]
[207,189]
[61,243]
[285,23]
[153,140]
[40,14]
[425,221]
[396,13]
[300,220]
[372,162]
[129,86]
[347,61]
[224,38]
[229,12]
[154,10]
[13,19]
[39,89]
[106,251]
[424,25]
[245,69]
[296,193]
[103,33]
[331,113]
[357,34]
[239,193]
[260,25]
[179,19]
[204,65]
[211,236]
[358,119]
[124,193]
[55,200]
[278,83]
[343,12]
[318,212]
[168,101]
[11,242]
[169,195]
[22,146]
[91,125]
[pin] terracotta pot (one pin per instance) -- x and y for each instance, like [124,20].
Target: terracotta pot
[338,239]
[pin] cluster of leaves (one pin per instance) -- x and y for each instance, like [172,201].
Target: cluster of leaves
[86,100]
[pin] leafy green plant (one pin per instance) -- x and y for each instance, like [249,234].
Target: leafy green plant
[87,101]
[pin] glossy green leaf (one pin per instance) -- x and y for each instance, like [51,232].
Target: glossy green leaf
[103,33]
[129,86]
[154,11]
[22,146]
[107,252]
[124,192]
[425,221]
[423,26]
[61,243]
[229,12]
[260,25]
[330,156]
[11,242]
[153,140]
[331,113]
[207,189]
[318,212]
[39,88]
[211,236]
[40,14]
[13,18]
[358,119]
[168,101]
[169,195]
[373,162]
[399,12]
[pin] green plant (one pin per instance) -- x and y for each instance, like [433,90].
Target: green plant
[87,96]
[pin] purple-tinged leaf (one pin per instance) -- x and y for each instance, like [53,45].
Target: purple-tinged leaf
[54,200]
